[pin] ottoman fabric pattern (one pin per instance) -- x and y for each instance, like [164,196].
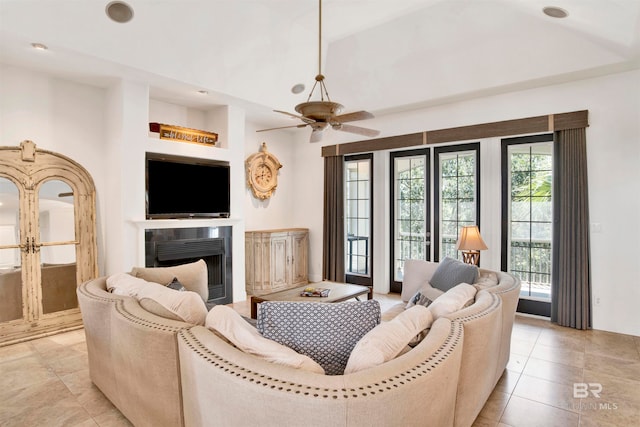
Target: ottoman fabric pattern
[327,333]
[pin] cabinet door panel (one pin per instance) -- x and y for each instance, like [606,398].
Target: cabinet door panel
[279,262]
[299,255]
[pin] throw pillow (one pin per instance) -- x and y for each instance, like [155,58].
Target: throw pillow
[456,298]
[424,296]
[326,332]
[176,285]
[225,321]
[452,272]
[387,340]
[194,276]
[187,305]
[158,299]
[416,274]
[126,285]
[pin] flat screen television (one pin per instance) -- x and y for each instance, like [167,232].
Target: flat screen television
[186,187]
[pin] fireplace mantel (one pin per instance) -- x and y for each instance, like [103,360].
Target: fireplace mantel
[185,223]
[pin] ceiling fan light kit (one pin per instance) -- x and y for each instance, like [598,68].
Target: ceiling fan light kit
[320,114]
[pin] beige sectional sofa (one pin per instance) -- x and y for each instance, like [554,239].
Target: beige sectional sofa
[133,356]
[161,372]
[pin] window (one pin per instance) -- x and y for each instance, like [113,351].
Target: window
[527,213]
[457,198]
[410,223]
[358,218]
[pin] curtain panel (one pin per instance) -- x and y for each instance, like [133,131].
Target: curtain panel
[571,282]
[333,227]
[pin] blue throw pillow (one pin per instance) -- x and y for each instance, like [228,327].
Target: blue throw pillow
[452,272]
[326,332]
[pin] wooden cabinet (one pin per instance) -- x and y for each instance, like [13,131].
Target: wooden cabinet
[47,241]
[276,260]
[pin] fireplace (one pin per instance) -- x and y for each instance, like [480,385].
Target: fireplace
[165,247]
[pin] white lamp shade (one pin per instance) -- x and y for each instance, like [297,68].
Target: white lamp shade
[470,239]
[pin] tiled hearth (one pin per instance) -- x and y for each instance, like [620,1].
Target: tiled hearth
[46,382]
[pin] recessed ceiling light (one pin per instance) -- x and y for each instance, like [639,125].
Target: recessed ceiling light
[555,12]
[297,88]
[39,46]
[119,11]
[203,92]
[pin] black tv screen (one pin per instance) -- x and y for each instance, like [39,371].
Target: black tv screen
[185,187]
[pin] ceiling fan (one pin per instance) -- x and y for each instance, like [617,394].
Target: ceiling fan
[319,115]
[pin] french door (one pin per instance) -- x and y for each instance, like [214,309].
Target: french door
[410,218]
[457,196]
[359,219]
[527,218]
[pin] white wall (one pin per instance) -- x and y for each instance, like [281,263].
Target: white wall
[106,131]
[278,210]
[86,123]
[613,149]
[59,116]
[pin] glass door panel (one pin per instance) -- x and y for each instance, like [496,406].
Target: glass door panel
[11,302]
[358,219]
[527,218]
[411,235]
[456,200]
[57,245]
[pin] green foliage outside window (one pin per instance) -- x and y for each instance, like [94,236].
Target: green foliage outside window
[457,198]
[531,216]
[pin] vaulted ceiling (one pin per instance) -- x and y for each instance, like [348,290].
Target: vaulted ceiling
[378,55]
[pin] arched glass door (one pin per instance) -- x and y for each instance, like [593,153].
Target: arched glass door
[47,241]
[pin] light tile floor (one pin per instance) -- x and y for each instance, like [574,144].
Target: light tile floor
[45,382]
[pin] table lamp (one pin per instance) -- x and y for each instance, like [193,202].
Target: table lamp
[470,243]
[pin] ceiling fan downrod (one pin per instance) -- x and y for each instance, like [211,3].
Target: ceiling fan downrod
[320,77]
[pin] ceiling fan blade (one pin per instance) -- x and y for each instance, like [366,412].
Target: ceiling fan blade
[316,136]
[357,129]
[352,117]
[303,118]
[282,127]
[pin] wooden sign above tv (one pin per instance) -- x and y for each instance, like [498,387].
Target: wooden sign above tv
[182,134]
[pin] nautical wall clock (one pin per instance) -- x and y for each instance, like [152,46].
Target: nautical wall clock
[262,173]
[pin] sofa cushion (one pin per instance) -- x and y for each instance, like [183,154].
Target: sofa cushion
[393,311]
[193,276]
[228,323]
[454,299]
[325,332]
[485,280]
[388,339]
[153,306]
[185,306]
[452,272]
[416,274]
